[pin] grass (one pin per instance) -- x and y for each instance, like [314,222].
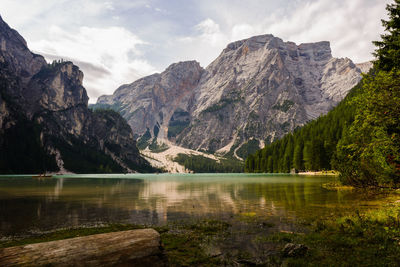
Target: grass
[361,239]
[286,105]
[185,245]
[368,238]
[176,127]
[155,147]
[337,186]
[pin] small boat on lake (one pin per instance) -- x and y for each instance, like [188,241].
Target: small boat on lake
[42,175]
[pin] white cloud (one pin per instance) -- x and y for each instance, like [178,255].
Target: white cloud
[109,5]
[242,31]
[114,50]
[208,27]
[21,13]
[210,33]
[204,45]
[118,41]
[350,26]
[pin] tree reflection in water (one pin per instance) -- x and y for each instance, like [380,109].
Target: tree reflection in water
[28,204]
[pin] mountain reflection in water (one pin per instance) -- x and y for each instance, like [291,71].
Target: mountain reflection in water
[28,204]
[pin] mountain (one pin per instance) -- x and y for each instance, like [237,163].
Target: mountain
[257,90]
[311,147]
[152,102]
[45,123]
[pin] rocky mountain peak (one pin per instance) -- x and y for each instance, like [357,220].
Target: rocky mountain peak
[253,42]
[311,51]
[10,36]
[45,118]
[15,52]
[365,66]
[181,75]
[151,101]
[316,51]
[59,87]
[257,89]
[183,66]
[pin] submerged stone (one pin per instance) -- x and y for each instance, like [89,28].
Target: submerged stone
[294,250]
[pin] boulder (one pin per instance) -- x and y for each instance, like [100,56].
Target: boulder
[294,250]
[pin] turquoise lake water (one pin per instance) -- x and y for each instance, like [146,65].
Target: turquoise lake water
[30,204]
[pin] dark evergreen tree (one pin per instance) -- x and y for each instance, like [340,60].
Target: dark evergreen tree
[312,147]
[298,163]
[369,153]
[361,136]
[388,49]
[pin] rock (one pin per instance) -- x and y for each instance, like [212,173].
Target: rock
[134,247]
[365,66]
[50,101]
[212,251]
[294,250]
[15,52]
[153,101]
[258,88]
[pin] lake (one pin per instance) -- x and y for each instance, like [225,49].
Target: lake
[30,205]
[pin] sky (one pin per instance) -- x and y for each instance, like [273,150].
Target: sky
[116,42]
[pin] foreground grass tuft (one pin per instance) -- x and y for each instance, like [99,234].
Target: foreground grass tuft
[186,244]
[368,238]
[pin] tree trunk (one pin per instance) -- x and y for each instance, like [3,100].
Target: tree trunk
[135,247]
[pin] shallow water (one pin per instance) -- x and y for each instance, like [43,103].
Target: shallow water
[30,204]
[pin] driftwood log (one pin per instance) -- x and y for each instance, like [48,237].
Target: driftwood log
[126,248]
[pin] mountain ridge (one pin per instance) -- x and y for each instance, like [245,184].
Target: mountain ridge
[45,123]
[257,88]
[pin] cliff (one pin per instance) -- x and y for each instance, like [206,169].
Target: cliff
[258,89]
[45,123]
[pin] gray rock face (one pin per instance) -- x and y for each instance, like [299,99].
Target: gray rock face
[15,52]
[258,88]
[365,66]
[263,88]
[61,87]
[51,97]
[150,103]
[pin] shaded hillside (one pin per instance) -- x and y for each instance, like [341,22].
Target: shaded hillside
[311,147]
[45,123]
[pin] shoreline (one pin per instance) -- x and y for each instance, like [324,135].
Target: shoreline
[331,173]
[214,241]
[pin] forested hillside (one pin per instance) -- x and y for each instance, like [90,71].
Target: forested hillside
[361,137]
[45,123]
[311,147]
[201,164]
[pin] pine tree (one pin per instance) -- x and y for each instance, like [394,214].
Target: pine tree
[361,136]
[388,50]
[298,156]
[369,152]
